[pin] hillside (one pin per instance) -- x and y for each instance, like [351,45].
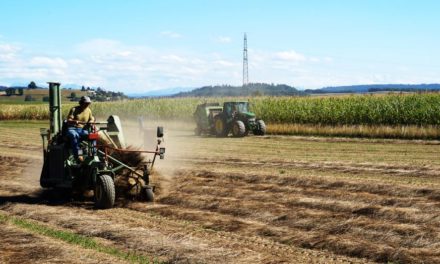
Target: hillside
[17,95]
[253,89]
[36,95]
[366,88]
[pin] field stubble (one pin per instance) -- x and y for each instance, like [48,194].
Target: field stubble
[262,199]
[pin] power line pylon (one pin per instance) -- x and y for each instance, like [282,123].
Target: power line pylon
[245,63]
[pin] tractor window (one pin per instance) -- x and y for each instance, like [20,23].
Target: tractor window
[242,107]
[228,109]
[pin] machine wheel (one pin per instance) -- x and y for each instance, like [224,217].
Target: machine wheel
[238,129]
[104,192]
[149,195]
[221,129]
[197,131]
[261,128]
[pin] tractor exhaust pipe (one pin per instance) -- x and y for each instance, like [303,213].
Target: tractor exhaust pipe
[55,108]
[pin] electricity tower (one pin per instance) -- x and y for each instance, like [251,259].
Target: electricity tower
[245,63]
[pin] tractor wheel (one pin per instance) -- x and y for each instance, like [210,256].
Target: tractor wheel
[238,129]
[149,195]
[197,131]
[221,129]
[261,128]
[246,133]
[104,192]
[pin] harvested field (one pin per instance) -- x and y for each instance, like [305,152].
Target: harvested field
[226,200]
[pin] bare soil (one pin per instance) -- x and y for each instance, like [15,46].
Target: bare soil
[248,200]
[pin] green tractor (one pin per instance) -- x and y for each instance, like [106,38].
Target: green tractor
[233,117]
[99,167]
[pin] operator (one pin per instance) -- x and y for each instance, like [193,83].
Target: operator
[77,118]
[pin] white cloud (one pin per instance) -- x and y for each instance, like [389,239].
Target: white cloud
[116,65]
[173,58]
[223,39]
[8,52]
[99,46]
[171,34]
[75,61]
[8,48]
[290,55]
[226,63]
[48,62]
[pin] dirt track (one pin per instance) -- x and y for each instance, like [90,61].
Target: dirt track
[250,200]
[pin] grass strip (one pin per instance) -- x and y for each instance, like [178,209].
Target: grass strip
[75,239]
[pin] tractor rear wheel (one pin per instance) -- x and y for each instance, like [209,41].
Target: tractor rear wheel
[238,129]
[197,131]
[221,129]
[105,192]
[261,128]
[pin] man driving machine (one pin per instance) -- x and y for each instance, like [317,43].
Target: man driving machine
[76,119]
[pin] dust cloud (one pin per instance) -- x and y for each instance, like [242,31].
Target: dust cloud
[142,135]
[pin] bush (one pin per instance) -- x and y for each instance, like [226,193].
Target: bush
[46,99]
[10,91]
[29,98]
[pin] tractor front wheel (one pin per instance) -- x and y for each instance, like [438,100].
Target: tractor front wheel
[105,192]
[261,128]
[238,129]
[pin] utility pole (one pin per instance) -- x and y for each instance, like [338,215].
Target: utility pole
[245,63]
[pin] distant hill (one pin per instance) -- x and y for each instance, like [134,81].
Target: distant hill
[368,88]
[253,89]
[39,95]
[161,92]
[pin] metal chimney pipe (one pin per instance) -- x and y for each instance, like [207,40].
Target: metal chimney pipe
[55,108]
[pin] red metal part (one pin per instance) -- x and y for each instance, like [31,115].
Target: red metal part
[93,136]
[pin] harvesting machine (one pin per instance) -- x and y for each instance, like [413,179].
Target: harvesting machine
[102,150]
[235,117]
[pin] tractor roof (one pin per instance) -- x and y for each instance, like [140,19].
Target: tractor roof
[208,104]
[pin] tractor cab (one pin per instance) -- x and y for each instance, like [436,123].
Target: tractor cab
[238,110]
[235,107]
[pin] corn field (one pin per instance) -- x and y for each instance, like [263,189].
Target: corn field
[391,110]
[394,109]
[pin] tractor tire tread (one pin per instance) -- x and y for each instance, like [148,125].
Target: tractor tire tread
[108,192]
[238,129]
[261,130]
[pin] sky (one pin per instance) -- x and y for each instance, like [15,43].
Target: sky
[143,45]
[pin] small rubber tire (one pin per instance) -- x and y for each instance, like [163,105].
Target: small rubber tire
[149,195]
[104,192]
